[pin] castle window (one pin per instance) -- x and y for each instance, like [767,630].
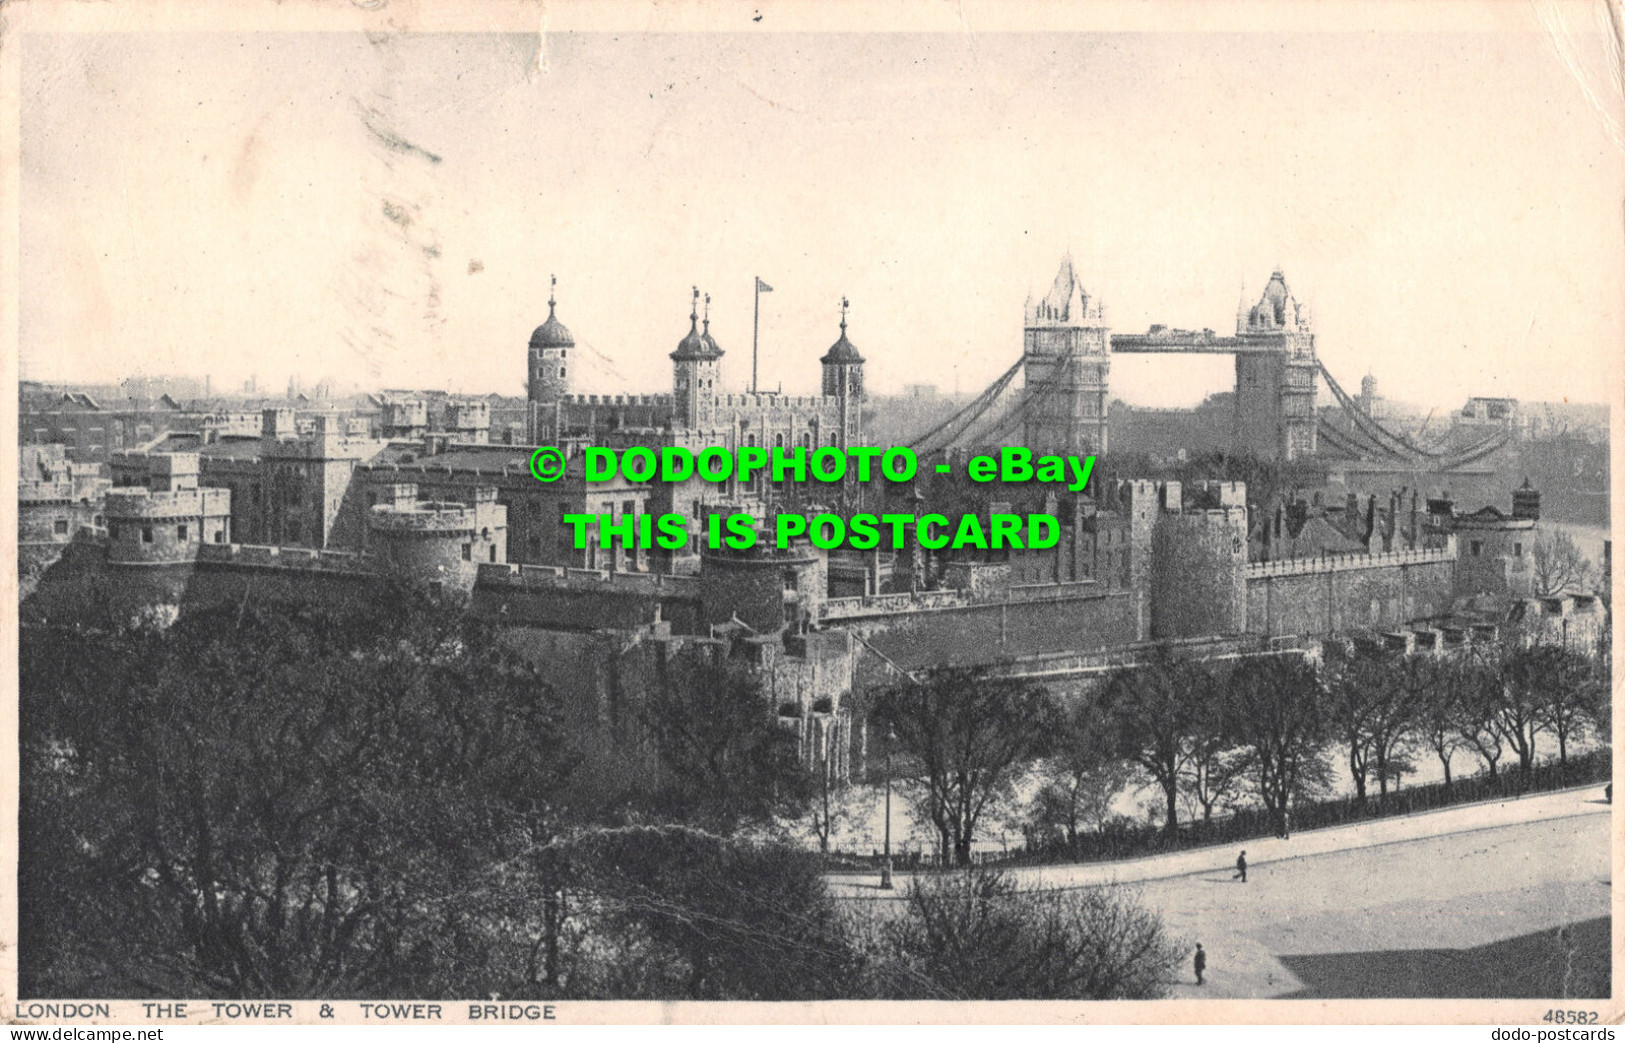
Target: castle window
[220,535]
[1477,548]
[1517,550]
[561,372]
[146,534]
[493,552]
[778,440]
[628,507]
[181,533]
[61,526]
[468,552]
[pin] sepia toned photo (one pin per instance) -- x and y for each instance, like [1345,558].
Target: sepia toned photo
[528,513]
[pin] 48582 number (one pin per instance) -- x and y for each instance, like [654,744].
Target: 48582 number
[1571,1017]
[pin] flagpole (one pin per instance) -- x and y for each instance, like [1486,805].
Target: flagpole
[755,325]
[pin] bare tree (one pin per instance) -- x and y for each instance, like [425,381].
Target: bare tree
[1520,691]
[1354,676]
[1083,777]
[1155,717]
[1565,684]
[1217,768]
[724,761]
[963,736]
[1559,565]
[1216,772]
[1477,708]
[1277,706]
[291,801]
[1375,697]
[1438,711]
[979,936]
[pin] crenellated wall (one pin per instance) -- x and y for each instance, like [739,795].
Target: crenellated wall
[1323,596]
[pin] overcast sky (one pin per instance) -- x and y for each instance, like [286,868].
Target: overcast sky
[385,211]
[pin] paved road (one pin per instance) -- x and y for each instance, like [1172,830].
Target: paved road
[1498,899]
[1466,818]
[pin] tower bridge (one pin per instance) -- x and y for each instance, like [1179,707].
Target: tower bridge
[1061,405]
[1066,362]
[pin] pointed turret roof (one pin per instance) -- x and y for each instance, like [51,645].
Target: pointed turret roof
[1066,302]
[1276,309]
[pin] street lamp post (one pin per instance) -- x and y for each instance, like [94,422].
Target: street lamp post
[885,860]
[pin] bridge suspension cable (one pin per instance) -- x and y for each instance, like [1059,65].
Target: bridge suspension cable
[1397,445]
[1478,450]
[1042,392]
[967,415]
[973,414]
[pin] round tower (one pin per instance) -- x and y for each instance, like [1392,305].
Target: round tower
[1198,576]
[843,381]
[1368,392]
[763,587]
[432,542]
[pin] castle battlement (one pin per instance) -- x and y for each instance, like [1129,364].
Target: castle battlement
[34,493]
[135,502]
[552,577]
[433,518]
[250,555]
[616,400]
[1349,562]
[934,600]
[773,400]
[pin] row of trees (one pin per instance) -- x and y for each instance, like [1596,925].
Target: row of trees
[1207,735]
[294,801]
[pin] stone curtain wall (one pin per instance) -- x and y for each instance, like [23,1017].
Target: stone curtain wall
[1317,597]
[990,632]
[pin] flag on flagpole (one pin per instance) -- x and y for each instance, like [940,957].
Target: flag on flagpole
[762,287]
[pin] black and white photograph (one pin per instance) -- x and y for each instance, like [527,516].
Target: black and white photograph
[534,513]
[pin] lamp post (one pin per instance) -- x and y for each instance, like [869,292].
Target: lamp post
[885,860]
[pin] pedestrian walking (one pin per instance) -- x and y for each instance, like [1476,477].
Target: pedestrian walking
[1241,868]
[1200,961]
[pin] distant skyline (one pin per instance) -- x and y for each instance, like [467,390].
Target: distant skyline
[385,211]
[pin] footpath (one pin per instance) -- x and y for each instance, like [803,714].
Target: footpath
[1465,818]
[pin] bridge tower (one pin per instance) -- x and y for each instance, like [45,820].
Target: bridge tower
[1275,379]
[1066,351]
